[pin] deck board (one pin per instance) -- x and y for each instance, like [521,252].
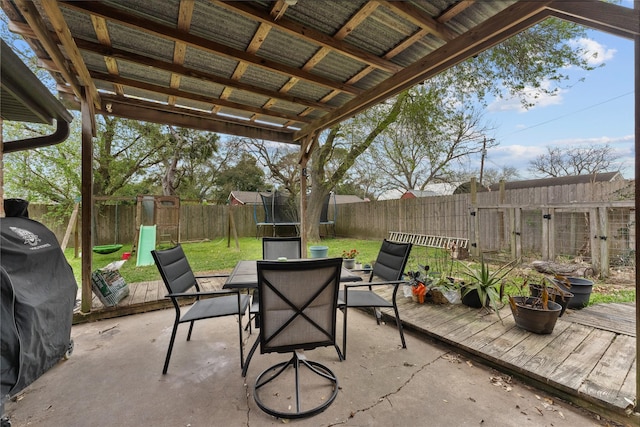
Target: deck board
[604,382]
[577,367]
[589,357]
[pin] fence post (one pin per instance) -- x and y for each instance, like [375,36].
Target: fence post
[545,234]
[552,228]
[604,243]
[594,240]
[515,215]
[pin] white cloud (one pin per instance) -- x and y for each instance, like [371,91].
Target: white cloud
[531,95]
[594,52]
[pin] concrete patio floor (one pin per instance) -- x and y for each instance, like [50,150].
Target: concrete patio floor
[114,378]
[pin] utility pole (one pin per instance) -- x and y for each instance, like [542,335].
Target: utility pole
[484,153]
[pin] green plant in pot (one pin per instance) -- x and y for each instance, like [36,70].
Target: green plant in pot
[484,288]
[536,314]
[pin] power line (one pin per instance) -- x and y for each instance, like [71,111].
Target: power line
[570,114]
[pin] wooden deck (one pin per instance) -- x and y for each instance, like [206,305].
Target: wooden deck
[589,359]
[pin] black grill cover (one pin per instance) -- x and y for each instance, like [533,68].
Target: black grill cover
[37,300]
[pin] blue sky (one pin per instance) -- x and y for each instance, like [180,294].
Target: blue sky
[598,110]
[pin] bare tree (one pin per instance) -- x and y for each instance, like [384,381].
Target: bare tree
[432,132]
[582,160]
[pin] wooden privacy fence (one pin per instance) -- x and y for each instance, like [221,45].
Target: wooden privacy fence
[539,223]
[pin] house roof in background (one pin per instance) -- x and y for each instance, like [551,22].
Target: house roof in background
[274,70]
[562,180]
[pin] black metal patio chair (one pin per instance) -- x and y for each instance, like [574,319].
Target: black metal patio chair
[298,303]
[388,271]
[179,280]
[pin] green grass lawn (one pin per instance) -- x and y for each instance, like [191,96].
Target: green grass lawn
[216,256]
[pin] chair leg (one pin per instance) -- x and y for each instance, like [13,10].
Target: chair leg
[344,333]
[296,362]
[249,356]
[241,349]
[399,325]
[190,330]
[170,349]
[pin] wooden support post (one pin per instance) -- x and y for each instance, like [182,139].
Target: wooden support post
[2,213]
[307,147]
[87,202]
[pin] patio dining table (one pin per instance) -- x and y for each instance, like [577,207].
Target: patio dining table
[245,276]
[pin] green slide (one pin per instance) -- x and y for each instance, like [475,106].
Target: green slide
[146,243]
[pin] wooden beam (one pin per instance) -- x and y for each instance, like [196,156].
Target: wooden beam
[51,9]
[419,18]
[174,35]
[607,17]
[491,32]
[309,34]
[171,115]
[39,28]
[193,96]
[140,59]
[87,204]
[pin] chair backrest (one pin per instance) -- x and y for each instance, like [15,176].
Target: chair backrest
[391,260]
[175,269]
[298,303]
[276,247]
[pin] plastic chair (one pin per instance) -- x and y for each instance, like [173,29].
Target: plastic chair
[388,271]
[297,312]
[179,279]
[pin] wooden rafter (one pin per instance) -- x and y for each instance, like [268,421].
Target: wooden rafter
[310,35]
[54,14]
[173,68]
[489,33]
[168,33]
[163,90]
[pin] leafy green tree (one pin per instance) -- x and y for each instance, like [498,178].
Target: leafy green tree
[245,175]
[47,174]
[539,54]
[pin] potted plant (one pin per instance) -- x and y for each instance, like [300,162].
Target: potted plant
[557,293]
[349,258]
[536,314]
[484,288]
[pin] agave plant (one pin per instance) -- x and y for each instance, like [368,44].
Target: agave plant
[486,283]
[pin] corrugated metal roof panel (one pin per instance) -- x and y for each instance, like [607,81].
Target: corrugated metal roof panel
[286,49]
[206,62]
[188,84]
[155,76]
[257,77]
[219,25]
[140,42]
[149,9]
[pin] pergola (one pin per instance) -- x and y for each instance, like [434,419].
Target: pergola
[275,70]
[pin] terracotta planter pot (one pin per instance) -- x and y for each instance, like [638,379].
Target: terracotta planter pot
[533,319]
